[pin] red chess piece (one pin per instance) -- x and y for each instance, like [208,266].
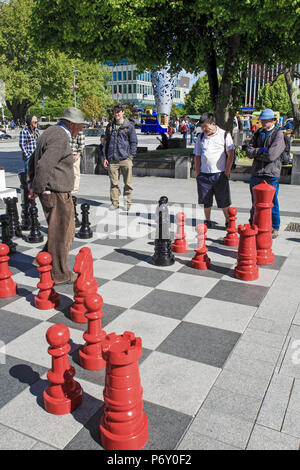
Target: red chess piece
[47,297]
[8,287]
[84,285]
[201,260]
[64,394]
[232,238]
[90,355]
[180,244]
[263,197]
[246,268]
[124,425]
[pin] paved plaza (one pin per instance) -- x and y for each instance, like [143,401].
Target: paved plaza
[221,357]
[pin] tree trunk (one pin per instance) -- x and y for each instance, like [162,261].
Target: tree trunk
[230,85]
[288,75]
[18,109]
[212,74]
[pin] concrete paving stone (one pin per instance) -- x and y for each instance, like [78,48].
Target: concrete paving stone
[42,446]
[232,403]
[290,363]
[269,326]
[222,427]
[260,337]
[256,351]
[249,366]
[236,382]
[14,440]
[195,441]
[291,424]
[263,438]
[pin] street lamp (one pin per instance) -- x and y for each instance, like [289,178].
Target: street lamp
[74,83]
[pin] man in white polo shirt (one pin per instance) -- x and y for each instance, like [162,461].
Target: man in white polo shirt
[214,154]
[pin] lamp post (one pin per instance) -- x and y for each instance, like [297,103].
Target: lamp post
[74,83]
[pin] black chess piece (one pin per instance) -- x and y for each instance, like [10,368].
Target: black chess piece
[25,203]
[13,216]
[163,255]
[85,230]
[77,221]
[35,235]
[6,235]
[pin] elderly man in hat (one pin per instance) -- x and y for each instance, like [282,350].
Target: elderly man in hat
[51,177]
[120,144]
[266,147]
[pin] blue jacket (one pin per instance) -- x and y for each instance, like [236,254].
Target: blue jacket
[120,143]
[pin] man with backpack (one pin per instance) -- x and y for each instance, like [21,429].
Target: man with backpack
[267,148]
[120,144]
[214,155]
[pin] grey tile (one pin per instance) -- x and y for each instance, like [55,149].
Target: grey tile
[121,255]
[166,303]
[216,270]
[263,438]
[15,376]
[144,276]
[205,344]
[117,242]
[237,292]
[13,325]
[278,262]
[196,441]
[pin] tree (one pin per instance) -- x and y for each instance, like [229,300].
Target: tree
[30,74]
[92,108]
[274,95]
[198,99]
[199,35]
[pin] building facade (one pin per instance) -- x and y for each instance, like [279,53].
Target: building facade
[258,76]
[127,85]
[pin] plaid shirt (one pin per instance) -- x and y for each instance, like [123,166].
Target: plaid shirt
[78,143]
[27,141]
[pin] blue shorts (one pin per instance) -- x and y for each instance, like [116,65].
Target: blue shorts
[210,184]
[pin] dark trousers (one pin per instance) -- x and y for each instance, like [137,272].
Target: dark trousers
[59,212]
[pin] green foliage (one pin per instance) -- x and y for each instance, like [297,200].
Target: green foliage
[275,96]
[198,100]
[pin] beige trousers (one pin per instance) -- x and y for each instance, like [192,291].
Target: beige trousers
[125,168]
[76,176]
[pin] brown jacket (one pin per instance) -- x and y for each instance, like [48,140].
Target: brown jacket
[51,166]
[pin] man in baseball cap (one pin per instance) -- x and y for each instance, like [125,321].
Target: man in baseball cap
[51,178]
[266,147]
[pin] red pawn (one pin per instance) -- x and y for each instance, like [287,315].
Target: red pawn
[8,287]
[246,268]
[180,245]
[263,197]
[84,285]
[232,238]
[90,355]
[124,425]
[201,260]
[47,297]
[64,394]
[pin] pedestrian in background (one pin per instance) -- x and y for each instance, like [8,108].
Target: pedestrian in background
[77,145]
[28,138]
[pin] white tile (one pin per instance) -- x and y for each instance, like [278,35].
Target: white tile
[32,346]
[109,269]
[224,315]
[26,306]
[98,251]
[153,329]
[187,284]
[123,294]
[176,383]
[266,277]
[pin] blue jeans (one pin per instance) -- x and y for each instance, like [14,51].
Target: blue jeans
[254,180]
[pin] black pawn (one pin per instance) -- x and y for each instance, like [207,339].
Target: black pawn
[163,255]
[25,203]
[13,216]
[5,234]
[77,221]
[85,230]
[35,235]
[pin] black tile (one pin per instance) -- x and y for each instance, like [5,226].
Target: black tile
[200,343]
[122,255]
[215,270]
[237,292]
[278,262]
[168,304]
[144,276]
[117,242]
[15,376]
[13,325]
